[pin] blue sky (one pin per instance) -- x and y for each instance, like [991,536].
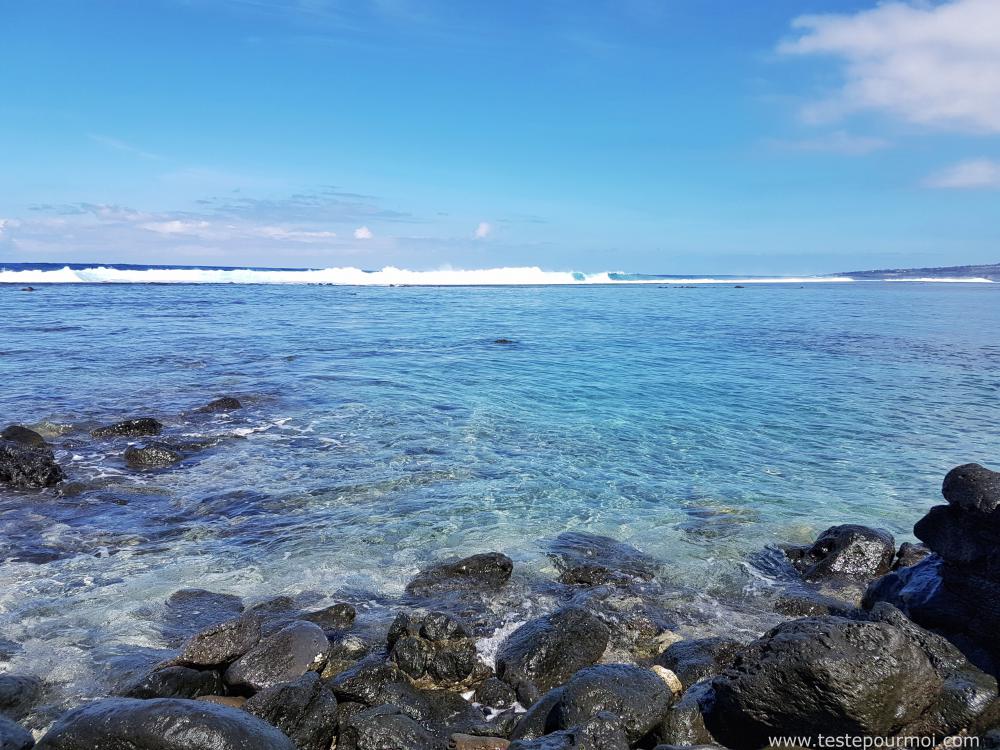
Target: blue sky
[681,136]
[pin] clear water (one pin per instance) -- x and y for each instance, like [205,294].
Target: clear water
[384,429]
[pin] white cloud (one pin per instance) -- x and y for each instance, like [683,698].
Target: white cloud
[936,65]
[838,142]
[363,233]
[971,174]
[176,226]
[483,230]
[295,235]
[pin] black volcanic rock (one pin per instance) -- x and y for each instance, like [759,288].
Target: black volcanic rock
[849,551]
[488,571]
[590,558]
[14,736]
[151,456]
[141,427]
[435,648]
[304,709]
[972,487]
[24,467]
[693,659]
[218,645]
[222,404]
[17,433]
[175,682]
[287,655]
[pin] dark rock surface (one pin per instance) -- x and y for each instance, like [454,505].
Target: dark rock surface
[338,616]
[18,694]
[487,571]
[434,647]
[25,467]
[141,427]
[910,554]
[17,433]
[385,727]
[602,731]
[972,487]
[547,651]
[175,682]
[218,645]
[495,693]
[287,655]
[848,551]
[304,709]
[151,455]
[161,724]
[14,737]
[580,556]
[684,723]
[693,659]
[188,611]
[221,404]
[838,676]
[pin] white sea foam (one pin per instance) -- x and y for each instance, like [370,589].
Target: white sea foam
[953,280]
[390,275]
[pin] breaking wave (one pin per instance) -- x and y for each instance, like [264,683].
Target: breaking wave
[388,276]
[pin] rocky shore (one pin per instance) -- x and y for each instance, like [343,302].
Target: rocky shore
[875,641]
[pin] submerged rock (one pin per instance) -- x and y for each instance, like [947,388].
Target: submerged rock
[848,551]
[25,467]
[188,611]
[287,655]
[161,724]
[547,651]
[304,709]
[151,456]
[141,427]
[17,433]
[880,676]
[488,571]
[18,694]
[590,559]
[14,736]
[225,403]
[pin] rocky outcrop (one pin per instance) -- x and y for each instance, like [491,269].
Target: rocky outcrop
[141,427]
[858,553]
[287,655]
[547,651]
[27,467]
[879,676]
[304,709]
[161,724]
[434,648]
[956,590]
[488,571]
[221,404]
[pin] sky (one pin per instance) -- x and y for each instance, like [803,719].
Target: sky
[648,136]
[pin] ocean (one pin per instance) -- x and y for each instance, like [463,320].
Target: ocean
[384,428]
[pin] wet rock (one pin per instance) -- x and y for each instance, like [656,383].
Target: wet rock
[20,434]
[151,456]
[304,709]
[972,487]
[142,427]
[338,616]
[488,571]
[831,675]
[811,603]
[692,660]
[188,611]
[503,341]
[345,652]
[684,723]
[175,682]
[847,551]
[593,575]
[287,655]
[24,467]
[14,736]
[161,724]
[637,699]
[225,403]
[592,555]
[386,727]
[547,651]
[495,693]
[602,731]
[910,554]
[218,645]
[537,720]
[435,648]
[18,694]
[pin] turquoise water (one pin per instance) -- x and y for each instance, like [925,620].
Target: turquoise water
[383,428]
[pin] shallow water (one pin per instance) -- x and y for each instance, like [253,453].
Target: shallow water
[383,428]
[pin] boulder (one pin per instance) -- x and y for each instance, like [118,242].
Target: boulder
[547,651]
[386,727]
[338,616]
[18,694]
[972,487]
[22,435]
[161,724]
[304,709]
[25,467]
[141,427]
[488,571]
[175,682]
[287,655]
[434,648]
[495,693]
[601,731]
[14,736]
[218,645]
[224,403]
[849,551]
[373,682]
[684,723]
[910,554]
[693,659]
[839,676]
[188,611]
[151,456]
[581,557]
